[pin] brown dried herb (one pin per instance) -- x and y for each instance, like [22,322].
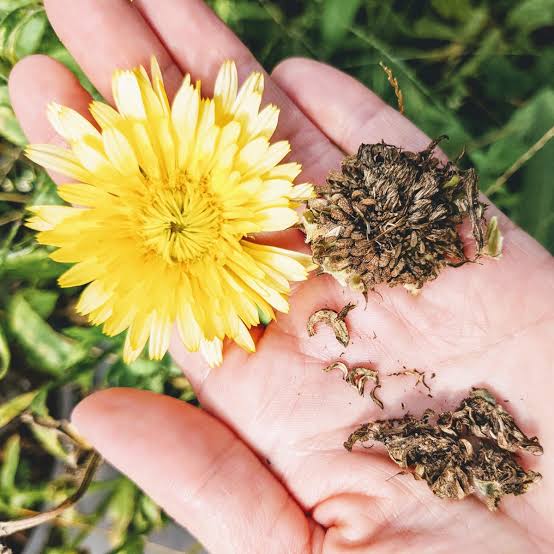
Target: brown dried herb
[334,319]
[420,378]
[483,417]
[357,377]
[392,216]
[468,451]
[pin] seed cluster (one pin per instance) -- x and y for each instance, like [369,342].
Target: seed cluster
[472,450]
[392,216]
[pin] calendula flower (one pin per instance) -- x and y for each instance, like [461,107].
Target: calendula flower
[165,203]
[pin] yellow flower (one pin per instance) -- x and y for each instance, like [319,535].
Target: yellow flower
[167,199]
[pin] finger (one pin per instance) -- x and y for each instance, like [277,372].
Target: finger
[196,469]
[104,36]
[34,83]
[344,109]
[199,42]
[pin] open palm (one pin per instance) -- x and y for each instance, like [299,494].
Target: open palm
[262,467]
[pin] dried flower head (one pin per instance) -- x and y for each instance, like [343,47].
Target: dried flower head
[167,196]
[468,451]
[391,216]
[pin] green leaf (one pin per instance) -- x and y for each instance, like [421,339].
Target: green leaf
[32,264]
[427,27]
[453,9]
[11,453]
[49,439]
[5,355]
[132,545]
[8,6]
[9,127]
[21,31]
[143,367]
[12,408]
[90,336]
[337,17]
[42,301]
[526,126]
[151,511]
[45,349]
[535,212]
[121,508]
[532,14]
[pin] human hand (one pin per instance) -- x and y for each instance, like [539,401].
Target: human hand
[262,467]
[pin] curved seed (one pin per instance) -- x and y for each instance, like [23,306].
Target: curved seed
[334,319]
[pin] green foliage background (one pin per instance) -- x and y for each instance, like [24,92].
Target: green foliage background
[480,71]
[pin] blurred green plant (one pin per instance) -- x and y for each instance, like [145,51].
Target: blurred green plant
[477,70]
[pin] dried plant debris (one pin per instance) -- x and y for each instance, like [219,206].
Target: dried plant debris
[392,216]
[357,377]
[420,378]
[373,395]
[393,81]
[495,240]
[471,450]
[334,319]
[486,419]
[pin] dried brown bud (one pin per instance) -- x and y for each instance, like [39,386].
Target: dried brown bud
[391,216]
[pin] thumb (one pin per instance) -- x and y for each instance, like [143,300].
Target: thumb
[196,469]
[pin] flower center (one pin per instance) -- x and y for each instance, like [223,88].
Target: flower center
[180,223]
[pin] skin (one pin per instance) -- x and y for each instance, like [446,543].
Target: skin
[261,467]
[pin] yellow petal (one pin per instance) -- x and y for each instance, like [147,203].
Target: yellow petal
[94,160]
[120,153]
[212,351]
[184,115]
[160,334]
[225,90]
[68,123]
[158,84]
[95,295]
[277,219]
[104,114]
[80,274]
[57,159]
[127,95]
[47,217]
[265,123]
[83,194]
[302,192]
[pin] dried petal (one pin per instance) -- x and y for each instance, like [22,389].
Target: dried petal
[495,240]
[334,319]
[337,365]
[373,396]
[358,376]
